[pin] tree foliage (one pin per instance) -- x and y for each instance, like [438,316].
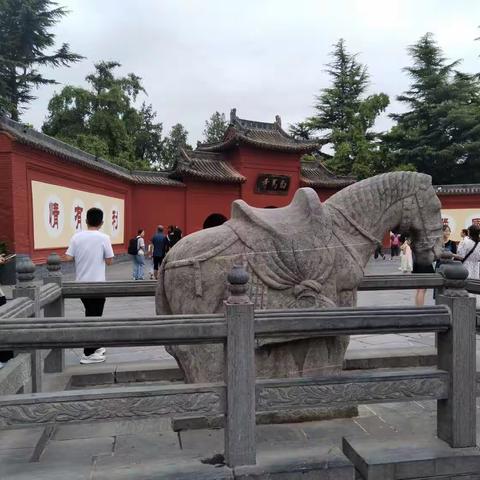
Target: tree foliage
[104,120]
[345,116]
[215,128]
[25,46]
[440,132]
[176,140]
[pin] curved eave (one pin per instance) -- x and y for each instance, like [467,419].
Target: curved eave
[197,175]
[467,189]
[238,139]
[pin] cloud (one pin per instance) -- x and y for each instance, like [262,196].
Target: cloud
[262,57]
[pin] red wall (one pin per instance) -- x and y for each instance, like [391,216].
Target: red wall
[204,198]
[460,201]
[156,205]
[32,164]
[251,162]
[6,194]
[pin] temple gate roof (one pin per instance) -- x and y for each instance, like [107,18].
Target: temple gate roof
[270,136]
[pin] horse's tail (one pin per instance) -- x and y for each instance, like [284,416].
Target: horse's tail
[162,305]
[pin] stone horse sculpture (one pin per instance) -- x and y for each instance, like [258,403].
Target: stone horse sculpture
[305,255]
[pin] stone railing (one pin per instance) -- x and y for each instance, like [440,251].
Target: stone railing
[452,384]
[31,299]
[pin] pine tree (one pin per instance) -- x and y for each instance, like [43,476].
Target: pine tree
[215,128]
[25,39]
[439,133]
[345,116]
[176,140]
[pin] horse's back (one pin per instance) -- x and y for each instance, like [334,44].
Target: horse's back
[189,276]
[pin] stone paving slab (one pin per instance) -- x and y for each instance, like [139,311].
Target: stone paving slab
[410,458]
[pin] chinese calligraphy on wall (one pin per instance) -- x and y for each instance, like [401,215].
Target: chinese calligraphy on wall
[60,212]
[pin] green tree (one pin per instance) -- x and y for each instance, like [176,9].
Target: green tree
[215,128]
[104,121]
[25,43]
[176,140]
[345,116]
[440,132]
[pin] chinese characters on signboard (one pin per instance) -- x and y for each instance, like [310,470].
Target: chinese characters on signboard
[60,212]
[274,184]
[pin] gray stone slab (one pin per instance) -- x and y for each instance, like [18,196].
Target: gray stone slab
[175,466]
[20,438]
[410,458]
[111,429]
[203,442]
[15,455]
[147,446]
[318,463]
[36,471]
[76,452]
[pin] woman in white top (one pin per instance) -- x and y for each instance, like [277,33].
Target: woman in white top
[469,252]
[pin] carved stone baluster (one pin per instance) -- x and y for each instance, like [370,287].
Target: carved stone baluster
[55,361]
[240,372]
[456,416]
[26,287]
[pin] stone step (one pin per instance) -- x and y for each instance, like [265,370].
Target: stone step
[411,458]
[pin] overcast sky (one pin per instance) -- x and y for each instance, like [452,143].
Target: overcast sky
[264,57]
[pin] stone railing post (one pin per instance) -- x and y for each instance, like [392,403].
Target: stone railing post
[456,416]
[55,360]
[240,446]
[26,287]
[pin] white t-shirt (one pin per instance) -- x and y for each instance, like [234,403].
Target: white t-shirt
[90,248]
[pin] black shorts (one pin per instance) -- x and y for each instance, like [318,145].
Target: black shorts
[422,268]
[157,261]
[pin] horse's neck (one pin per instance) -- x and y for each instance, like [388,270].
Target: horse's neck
[372,210]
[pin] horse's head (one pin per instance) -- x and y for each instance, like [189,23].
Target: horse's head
[423,220]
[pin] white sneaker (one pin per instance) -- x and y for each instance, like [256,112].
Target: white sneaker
[100,351]
[93,358]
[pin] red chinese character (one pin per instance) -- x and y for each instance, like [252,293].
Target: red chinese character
[54,212]
[77,217]
[115,219]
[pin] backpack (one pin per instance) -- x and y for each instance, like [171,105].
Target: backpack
[133,246]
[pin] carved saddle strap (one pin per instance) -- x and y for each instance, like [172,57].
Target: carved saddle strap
[357,226]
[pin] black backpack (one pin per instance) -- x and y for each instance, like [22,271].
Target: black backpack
[133,246]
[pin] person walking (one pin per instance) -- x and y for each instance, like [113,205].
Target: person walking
[174,235]
[394,245]
[158,249]
[139,255]
[406,262]
[91,250]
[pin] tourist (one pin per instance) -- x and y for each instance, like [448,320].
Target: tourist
[406,262]
[394,245]
[469,254]
[91,250]
[158,248]
[174,235]
[463,235]
[379,252]
[139,255]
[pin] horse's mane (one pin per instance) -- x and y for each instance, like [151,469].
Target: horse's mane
[375,195]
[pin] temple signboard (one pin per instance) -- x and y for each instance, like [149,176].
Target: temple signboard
[272,184]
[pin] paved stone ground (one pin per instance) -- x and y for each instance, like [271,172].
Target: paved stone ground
[150,449]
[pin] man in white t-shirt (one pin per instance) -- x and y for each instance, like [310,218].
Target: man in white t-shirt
[91,250]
